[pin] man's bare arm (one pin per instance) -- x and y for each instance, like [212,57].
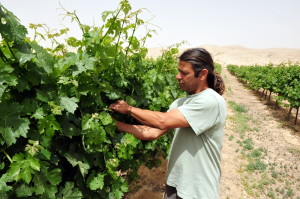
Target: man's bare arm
[155,119]
[141,132]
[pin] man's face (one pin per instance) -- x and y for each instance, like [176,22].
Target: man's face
[186,78]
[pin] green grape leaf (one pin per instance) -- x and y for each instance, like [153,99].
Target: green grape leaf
[54,176]
[34,164]
[68,104]
[2,90]
[118,193]
[40,184]
[11,125]
[69,192]
[83,168]
[76,161]
[134,43]
[43,95]
[47,126]
[30,106]
[5,178]
[84,63]
[87,122]
[8,136]
[25,173]
[45,154]
[96,182]
[12,30]
[24,191]
[6,76]
[23,168]
[63,64]
[39,113]
[24,58]
[129,139]
[70,125]
[105,118]
[105,15]
[130,101]
[2,165]
[43,59]
[114,94]
[31,149]
[72,41]
[95,133]
[111,51]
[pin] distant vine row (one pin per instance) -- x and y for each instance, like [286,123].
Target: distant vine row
[283,81]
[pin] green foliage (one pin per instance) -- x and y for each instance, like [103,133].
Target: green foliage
[57,137]
[256,164]
[256,153]
[237,107]
[218,68]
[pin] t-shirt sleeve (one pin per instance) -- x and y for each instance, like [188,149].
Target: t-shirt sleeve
[176,103]
[202,113]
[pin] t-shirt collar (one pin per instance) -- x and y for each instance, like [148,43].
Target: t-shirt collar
[196,94]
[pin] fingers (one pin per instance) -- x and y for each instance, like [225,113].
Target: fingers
[119,106]
[121,102]
[113,107]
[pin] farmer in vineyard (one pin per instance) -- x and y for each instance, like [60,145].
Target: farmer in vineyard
[198,118]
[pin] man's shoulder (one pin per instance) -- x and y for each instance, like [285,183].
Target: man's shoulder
[178,102]
[210,94]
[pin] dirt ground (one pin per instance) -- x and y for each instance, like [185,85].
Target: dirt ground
[279,138]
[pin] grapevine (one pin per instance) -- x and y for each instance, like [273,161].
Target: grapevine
[57,137]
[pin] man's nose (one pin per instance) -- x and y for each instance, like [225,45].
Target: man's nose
[178,76]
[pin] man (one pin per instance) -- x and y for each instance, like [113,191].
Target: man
[199,118]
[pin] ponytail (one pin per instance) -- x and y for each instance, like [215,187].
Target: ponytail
[215,82]
[218,84]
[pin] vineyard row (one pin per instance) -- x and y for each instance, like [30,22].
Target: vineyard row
[283,81]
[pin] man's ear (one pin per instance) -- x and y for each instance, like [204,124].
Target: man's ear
[203,74]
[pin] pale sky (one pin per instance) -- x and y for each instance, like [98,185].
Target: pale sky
[249,23]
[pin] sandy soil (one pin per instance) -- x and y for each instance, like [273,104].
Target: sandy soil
[279,138]
[273,133]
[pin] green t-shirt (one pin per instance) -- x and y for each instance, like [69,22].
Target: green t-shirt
[194,160]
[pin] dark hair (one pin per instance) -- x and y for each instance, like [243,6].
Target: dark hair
[200,59]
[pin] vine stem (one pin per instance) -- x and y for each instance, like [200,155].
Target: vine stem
[10,49]
[133,32]
[118,42]
[78,21]
[73,16]
[296,116]
[6,154]
[110,27]
[289,113]
[3,57]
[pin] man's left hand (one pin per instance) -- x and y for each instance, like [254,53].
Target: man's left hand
[121,107]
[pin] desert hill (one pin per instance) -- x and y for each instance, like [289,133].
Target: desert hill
[239,55]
